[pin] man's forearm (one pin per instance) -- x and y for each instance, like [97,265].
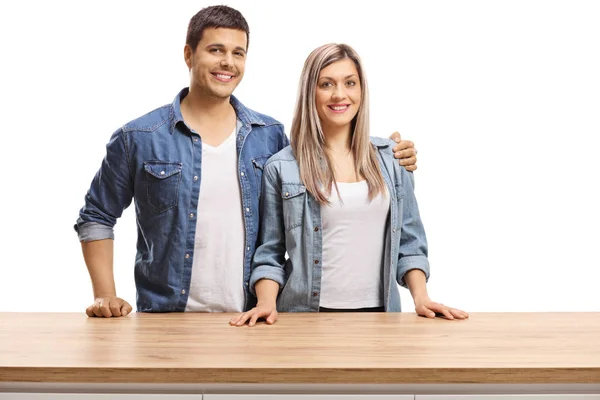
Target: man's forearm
[98,256]
[267,291]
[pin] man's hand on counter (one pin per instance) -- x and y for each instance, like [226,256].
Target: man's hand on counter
[108,306]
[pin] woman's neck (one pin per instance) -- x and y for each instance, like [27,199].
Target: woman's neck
[337,139]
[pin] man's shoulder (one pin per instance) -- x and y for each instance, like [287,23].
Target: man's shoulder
[267,120]
[150,121]
[255,118]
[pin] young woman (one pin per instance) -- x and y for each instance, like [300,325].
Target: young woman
[340,206]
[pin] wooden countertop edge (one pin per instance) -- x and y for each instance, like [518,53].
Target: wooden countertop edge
[302,375]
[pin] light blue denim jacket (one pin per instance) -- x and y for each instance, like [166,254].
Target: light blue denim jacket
[156,161]
[291,222]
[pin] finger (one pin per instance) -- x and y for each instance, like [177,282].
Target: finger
[396,137]
[126,308]
[426,312]
[403,145]
[97,312]
[243,319]
[459,313]
[411,168]
[441,309]
[405,162]
[115,307]
[406,153]
[254,318]
[90,312]
[235,319]
[272,318]
[446,313]
[104,309]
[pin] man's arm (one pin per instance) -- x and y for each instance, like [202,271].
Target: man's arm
[405,152]
[98,256]
[110,193]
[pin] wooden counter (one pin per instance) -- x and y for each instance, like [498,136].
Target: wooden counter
[377,348]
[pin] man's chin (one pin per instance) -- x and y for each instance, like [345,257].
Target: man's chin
[222,94]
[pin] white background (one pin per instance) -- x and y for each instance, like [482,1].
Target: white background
[502,99]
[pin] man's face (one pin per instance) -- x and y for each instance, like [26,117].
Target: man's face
[217,65]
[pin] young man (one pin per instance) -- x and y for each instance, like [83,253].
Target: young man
[194,170]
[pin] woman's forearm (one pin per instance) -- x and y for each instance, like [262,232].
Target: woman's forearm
[267,291]
[417,283]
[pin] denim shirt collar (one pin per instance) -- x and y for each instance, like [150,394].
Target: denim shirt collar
[380,142]
[244,114]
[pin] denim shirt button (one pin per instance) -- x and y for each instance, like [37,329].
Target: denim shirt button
[316,229]
[241,173]
[315,294]
[316,261]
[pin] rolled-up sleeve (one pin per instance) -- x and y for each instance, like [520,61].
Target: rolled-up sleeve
[412,253]
[111,192]
[269,258]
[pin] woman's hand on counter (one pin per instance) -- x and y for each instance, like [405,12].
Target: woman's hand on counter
[427,308]
[109,306]
[267,311]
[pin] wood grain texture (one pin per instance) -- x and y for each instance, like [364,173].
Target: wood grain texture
[301,348]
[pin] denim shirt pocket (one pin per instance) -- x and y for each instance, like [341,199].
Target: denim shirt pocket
[162,181]
[293,197]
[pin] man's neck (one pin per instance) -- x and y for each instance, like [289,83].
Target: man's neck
[211,117]
[203,106]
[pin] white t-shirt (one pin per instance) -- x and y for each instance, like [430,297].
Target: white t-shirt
[353,248]
[217,283]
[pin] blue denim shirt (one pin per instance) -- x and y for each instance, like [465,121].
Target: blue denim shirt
[291,221]
[156,161]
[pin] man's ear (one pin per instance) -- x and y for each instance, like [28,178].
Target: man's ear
[188,54]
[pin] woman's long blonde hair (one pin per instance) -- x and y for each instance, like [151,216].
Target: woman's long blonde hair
[308,141]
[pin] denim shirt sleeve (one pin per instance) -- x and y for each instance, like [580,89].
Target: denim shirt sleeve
[269,258]
[110,193]
[412,253]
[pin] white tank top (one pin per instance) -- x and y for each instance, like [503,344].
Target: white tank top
[353,248]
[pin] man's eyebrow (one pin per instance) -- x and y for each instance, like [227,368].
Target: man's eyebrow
[222,46]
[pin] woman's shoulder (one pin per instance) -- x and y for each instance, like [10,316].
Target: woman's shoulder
[384,145]
[283,163]
[285,154]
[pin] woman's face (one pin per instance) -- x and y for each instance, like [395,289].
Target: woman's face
[338,94]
